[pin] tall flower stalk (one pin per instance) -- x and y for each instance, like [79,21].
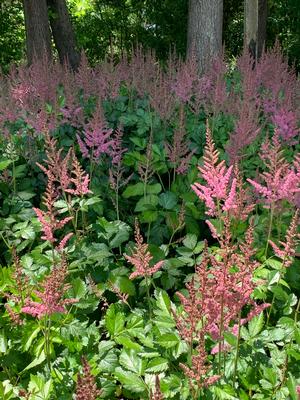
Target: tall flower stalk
[141,259]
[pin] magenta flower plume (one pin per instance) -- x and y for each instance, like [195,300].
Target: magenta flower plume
[286,124]
[218,193]
[280,181]
[141,258]
[216,294]
[51,294]
[78,178]
[86,388]
[97,139]
[178,152]
[289,246]
[48,218]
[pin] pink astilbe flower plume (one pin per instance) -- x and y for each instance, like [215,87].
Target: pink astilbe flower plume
[178,152]
[97,138]
[48,218]
[289,246]
[280,181]
[219,194]
[86,387]
[286,123]
[64,176]
[217,294]
[79,178]
[141,257]
[51,294]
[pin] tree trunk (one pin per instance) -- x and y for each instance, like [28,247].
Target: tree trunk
[204,38]
[63,33]
[38,36]
[255,25]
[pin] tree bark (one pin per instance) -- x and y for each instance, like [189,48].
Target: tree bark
[255,25]
[38,36]
[63,33]
[204,38]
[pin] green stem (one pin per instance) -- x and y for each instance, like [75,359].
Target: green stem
[237,351]
[5,241]
[14,177]
[148,297]
[221,335]
[297,312]
[269,228]
[47,341]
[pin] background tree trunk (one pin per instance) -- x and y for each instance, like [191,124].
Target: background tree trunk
[255,25]
[204,38]
[38,36]
[63,33]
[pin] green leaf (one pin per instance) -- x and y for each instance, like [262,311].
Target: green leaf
[25,195]
[4,164]
[3,342]
[133,190]
[148,202]
[190,241]
[153,189]
[104,346]
[128,343]
[148,216]
[109,362]
[130,380]
[168,200]
[157,365]
[41,388]
[291,385]
[31,338]
[224,393]
[121,236]
[114,321]
[256,325]
[37,361]
[78,289]
[124,284]
[131,361]
[168,340]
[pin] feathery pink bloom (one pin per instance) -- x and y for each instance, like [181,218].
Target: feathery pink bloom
[218,193]
[51,296]
[281,181]
[289,246]
[97,139]
[141,258]
[286,124]
[86,388]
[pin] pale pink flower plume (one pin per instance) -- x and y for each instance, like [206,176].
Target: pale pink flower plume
[141,258]
[219,192]
[51,295]
[281,181]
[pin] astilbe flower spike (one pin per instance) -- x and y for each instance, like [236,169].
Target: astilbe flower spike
[48,218]
[97,139]
[156,394]
[86,388]
[280,181]
[79,178]
[216,297]
[178,152]
[219,194]
[291,240]
[141,257]
[51,294]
